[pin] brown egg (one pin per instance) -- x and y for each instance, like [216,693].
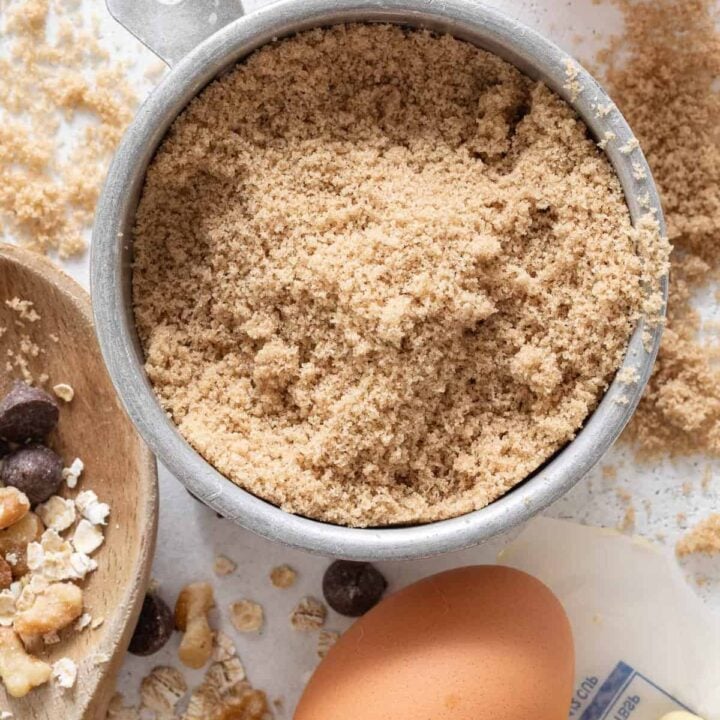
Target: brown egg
[476,643]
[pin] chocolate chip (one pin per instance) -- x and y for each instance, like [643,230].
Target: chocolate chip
[36,471]
[27,413]
[4,448]
[352,588]
[154,628]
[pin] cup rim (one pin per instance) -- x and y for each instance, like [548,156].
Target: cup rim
[111,276]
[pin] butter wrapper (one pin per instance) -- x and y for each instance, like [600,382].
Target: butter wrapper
[645,643]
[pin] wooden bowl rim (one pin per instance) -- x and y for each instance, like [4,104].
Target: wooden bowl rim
[120,626]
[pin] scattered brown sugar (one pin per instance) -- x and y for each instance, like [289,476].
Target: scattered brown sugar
[55,74]
[20,335]
[381,276]
[662,72]
[703,538]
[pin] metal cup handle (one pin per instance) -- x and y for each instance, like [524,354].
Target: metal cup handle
[172,28]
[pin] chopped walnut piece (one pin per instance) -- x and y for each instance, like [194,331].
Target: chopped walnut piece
[50,610]
[309,615]
[283,576]
[15,539]
[14,505]
[191,610]
[246,616]
[19,671]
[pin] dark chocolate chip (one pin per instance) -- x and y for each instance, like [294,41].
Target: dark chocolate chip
[4,448]
[352,588]
[34,470]
[154,628]
[27,413]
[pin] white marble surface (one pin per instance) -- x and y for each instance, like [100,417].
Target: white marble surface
[279,660]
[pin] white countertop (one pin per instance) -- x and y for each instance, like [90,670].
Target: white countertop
[190,536]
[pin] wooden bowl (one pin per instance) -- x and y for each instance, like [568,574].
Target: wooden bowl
[118,467]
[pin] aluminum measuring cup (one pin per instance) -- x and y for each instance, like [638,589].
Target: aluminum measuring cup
[200,39]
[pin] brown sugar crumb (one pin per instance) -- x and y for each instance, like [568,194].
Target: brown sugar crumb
[283,576]
[703,538]
[309,615]
[381,276]
[20,335]
[54,72]
[24,309]
[662,72]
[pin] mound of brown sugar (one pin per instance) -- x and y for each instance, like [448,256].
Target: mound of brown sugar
[381,276]
[663,73]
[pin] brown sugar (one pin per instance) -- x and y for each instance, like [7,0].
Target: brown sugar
[703,538]
[662,72]
[381,276]
[55,76]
